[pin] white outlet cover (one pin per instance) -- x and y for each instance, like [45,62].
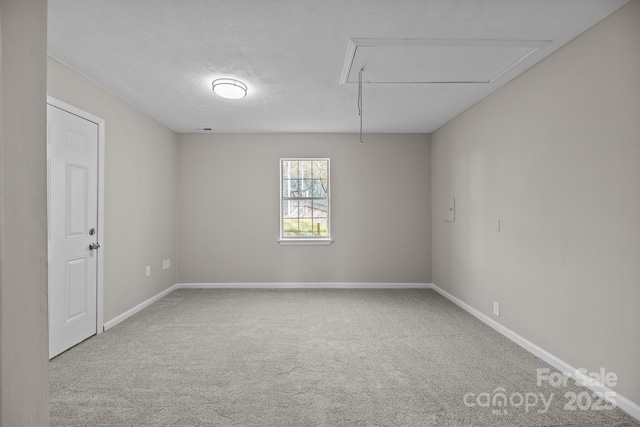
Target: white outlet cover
[496,309]
[148,271]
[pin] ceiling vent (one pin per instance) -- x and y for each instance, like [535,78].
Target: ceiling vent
[434,61]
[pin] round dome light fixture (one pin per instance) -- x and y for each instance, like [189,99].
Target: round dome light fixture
[229,88]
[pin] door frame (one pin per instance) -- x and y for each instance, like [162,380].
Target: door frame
[101,141]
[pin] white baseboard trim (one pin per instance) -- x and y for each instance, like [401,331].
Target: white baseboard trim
[113,322]
[620,401]
[306,285]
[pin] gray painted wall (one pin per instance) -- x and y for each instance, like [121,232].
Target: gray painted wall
[24,369]
[229,206]
[140,191]
[555,155]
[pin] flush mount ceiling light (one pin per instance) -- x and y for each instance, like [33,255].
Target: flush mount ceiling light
[229,88]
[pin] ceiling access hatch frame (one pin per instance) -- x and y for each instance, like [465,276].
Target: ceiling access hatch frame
[434,61]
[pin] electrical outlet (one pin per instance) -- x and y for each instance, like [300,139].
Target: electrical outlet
[496,309]
[166,264]
[148,271]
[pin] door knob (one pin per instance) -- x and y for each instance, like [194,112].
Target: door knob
[94,246]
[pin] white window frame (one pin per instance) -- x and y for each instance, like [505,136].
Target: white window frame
[326,240]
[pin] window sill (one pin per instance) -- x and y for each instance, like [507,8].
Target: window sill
[308,242]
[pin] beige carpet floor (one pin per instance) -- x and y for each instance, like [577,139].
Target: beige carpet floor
[313,357]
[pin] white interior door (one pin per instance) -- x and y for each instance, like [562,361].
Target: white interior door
[72,162]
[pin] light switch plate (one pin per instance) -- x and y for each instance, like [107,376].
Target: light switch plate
[148,271]
[449,210]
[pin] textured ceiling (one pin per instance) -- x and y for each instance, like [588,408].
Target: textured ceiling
[162,55]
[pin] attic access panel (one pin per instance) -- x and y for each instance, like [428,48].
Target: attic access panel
[434,61]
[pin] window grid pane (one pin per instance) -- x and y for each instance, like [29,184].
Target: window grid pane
[305,198]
